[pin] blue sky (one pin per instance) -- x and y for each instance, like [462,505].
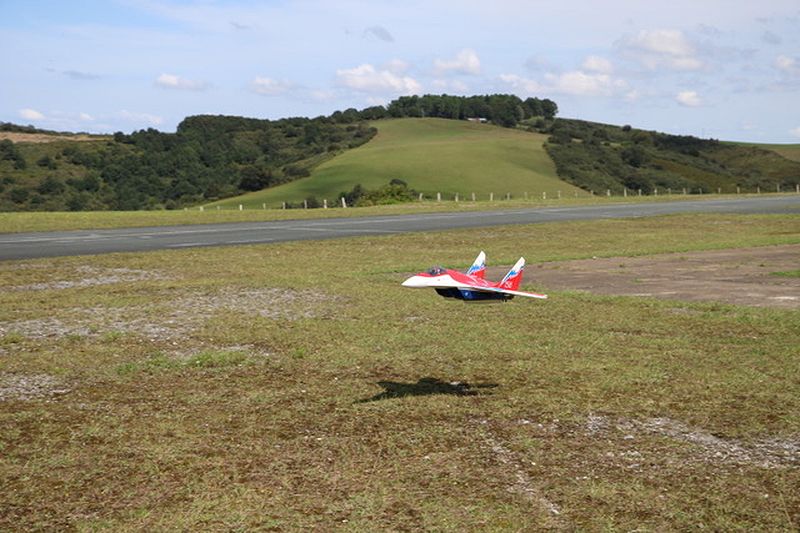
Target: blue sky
[723,69]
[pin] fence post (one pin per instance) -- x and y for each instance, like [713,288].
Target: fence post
[608,192]
[640,192]
[625,192]
[325,203]
[655,191]
[344,203]
[559,195]
[684,190]
[669,191]
[420,197]
[778,188]
[737,189]
[240,207]
[797,188]
[526,195]
[508,196]
[456,197]
[264,206]
[283,205]
[758,189]
[305,204]
[438,197]
[473,197]
[544,195]
[217,208]
[201,208]
[491,197]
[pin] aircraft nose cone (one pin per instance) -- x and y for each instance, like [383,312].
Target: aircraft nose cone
[414,282]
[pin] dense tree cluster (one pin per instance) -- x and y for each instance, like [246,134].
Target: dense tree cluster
[209,157]
[503,109]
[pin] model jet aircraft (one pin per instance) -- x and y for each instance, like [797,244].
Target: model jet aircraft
[471,286]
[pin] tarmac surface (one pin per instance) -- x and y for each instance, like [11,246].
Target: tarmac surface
[14,246]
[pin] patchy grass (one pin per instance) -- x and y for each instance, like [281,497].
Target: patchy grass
[788,274]
[330,397]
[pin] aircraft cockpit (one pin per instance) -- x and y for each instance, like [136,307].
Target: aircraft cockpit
[436,271]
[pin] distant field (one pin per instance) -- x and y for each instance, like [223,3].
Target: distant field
[431,155]
[789,151]
[298,386]
[18,137]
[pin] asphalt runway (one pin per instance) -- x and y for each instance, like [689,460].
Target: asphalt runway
[89,242]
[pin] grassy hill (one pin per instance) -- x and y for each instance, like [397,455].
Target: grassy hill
[431,155]
[601,156]
[789,151]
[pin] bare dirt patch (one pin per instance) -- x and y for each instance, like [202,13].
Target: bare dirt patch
[186,313]
[743,276]
[709,448]
[29,387]
[92,276]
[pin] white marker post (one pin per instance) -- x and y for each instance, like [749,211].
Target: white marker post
[473,197]
[324,203]
[240,207]
[264,206]
[456,197]
[544,195]
[305,204]
[344,203]
[438,197]
[491,197]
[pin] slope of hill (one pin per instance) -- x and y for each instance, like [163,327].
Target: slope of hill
[789,151]
[431,155]
[600,156]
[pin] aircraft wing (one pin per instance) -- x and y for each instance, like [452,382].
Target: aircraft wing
[505,291]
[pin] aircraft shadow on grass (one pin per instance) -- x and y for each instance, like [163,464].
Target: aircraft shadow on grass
[426,387]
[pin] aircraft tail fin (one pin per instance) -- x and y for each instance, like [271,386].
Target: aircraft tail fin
[513,279]
[478,268]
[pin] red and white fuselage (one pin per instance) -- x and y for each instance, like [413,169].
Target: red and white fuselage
[471,286]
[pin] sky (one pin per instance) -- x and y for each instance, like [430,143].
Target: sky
[725,69]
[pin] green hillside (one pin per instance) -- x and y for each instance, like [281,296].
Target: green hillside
[431,155]
[789,151]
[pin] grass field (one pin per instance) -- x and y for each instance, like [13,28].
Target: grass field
[298,386]
[431,155]
[789,151]
[63,221]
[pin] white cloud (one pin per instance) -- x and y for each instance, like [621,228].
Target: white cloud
[581,83]
[787,64]
[524,85]
[171,81]
[795,132]
[30,114]
[598,64]
[397,66]
[661,48]
[368,79]
[139,118]
[86,117]
[688,98]
[465,62]
[269,87]
[575,82]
